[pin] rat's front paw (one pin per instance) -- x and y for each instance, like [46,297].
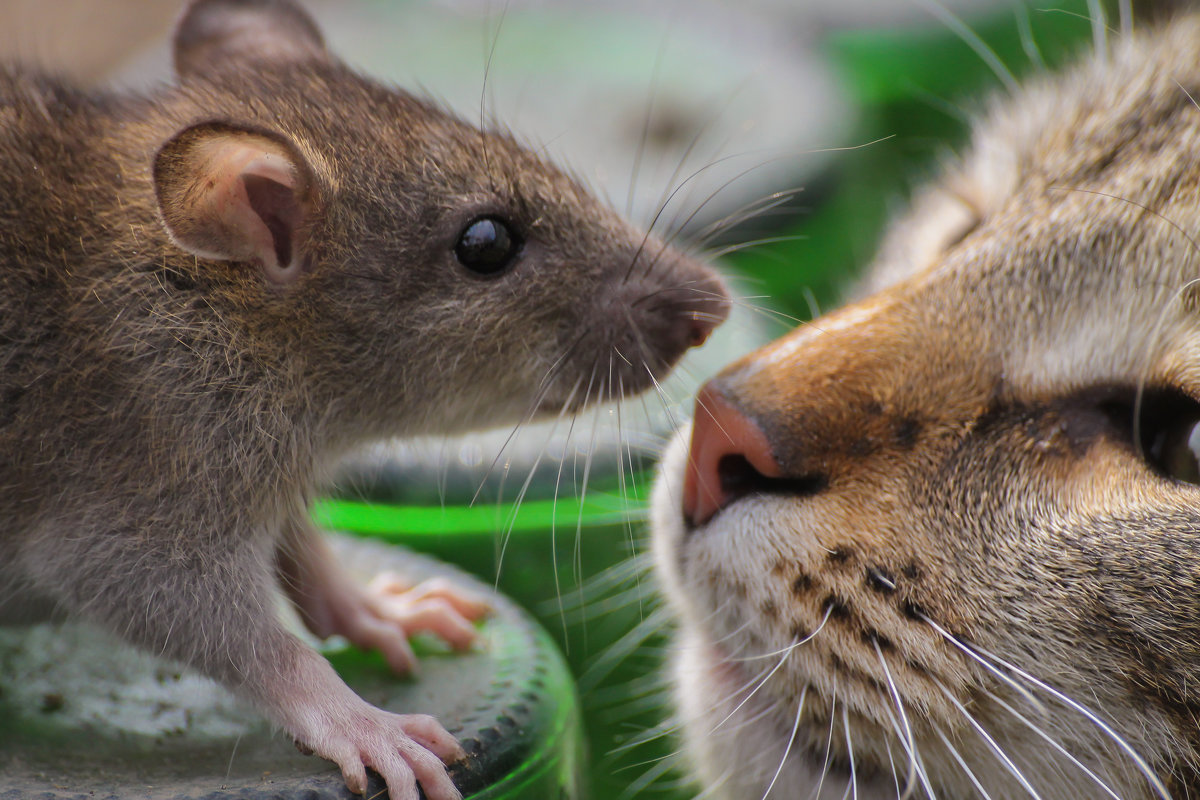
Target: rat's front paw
[405,749]
[383,615]
[380,617]
[390,610]
[434,606]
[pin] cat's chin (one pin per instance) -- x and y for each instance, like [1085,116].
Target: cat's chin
[738,743]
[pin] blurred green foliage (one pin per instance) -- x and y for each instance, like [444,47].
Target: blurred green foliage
[916,91]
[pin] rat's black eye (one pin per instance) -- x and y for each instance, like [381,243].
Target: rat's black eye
[487,246]
[1169,426]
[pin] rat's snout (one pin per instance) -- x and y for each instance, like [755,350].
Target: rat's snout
[685,302]
[730,456]
[708,307]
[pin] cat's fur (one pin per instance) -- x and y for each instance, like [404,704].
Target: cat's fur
[970,434]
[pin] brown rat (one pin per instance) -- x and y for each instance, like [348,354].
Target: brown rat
[209,293]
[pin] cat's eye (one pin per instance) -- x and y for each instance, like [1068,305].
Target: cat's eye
[1175,449]
[487,246]
[1168,431]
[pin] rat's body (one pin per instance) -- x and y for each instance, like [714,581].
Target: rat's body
[208,295]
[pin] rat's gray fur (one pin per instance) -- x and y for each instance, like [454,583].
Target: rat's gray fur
[165,419]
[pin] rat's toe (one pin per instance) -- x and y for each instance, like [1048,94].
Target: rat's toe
[430,771]
[429,733]
[354,772]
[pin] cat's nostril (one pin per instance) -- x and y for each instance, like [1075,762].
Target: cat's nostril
[729,456]
[736,475]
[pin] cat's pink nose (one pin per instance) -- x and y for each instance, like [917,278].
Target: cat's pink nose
[726,447]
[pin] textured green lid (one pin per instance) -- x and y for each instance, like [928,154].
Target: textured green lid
[84,716]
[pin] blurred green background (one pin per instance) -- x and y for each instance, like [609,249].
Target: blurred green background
[580,564]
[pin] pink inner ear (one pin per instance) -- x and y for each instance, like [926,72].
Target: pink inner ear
[249,193]
[279,211]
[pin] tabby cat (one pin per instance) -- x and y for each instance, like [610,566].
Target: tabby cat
[945,541]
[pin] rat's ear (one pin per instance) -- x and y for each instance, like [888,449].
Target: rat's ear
[236,194]
[215,33]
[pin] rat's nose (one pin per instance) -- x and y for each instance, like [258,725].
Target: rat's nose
[729,456]
[704,323]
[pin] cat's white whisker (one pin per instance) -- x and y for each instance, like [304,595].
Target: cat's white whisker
[1099,28]
[786,650]
[628,643]
[1008,763]
[953,751]
[907,739]
[761,683]
[1050,740]
[1028,43]
[791,740]
[982,656]
[850,752]
[816,793]
[887,744]
[971,651]
[972,40]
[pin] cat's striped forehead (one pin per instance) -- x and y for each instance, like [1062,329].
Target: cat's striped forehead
[1072,224]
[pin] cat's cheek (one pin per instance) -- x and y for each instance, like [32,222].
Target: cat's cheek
[738,740]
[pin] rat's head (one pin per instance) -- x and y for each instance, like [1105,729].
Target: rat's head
[415,266]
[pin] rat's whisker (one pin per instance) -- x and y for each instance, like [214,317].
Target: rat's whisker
[751,210]
[554,523]
[646,117]
[487,69]
[747,245]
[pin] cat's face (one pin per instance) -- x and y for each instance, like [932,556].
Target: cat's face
[946,538]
